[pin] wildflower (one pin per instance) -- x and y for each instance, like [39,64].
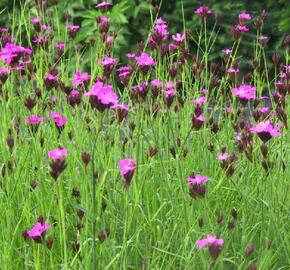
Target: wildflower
[197,121]
[103,6]
[127,167]
[203,11]
[213,243]
[102,97]
[139,92]
[159,34]
[145,61]
[122,111]
[169,96]
[227,162]
[81,78]
[36,21]
[104,24]
[108,64]
[266,130]
[50,81]
[57,154]
[37,232]
[74,98]
[244,92]
[156,86]
[58,163]
[178,38]
[13,53]
[197,187]
[59,48]
[34,120]
[72,30]
[60,122]
[244,18]
[263,40]
[4,74]
[124,74]
[242,28]
[227,51]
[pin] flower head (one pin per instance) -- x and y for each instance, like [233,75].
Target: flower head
[34,120]
[203,11]
[58,153]
[266,130]
[244,92]
[196,179]
[81,78]
[145,60]
[37,232]
[103,6]
[127,167]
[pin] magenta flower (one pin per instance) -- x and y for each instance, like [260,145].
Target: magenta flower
[203,11]
[57,154]
[72,30]
[54,114]
[227,51]
[232,70]
[108,64]
[103,6]
[12,53]
[208,241]
[244,18]
[197,187]
[178,38]
[122,111]
[50,81]
[74,98]
[196,179]
[36,20]
[104,24]
[81,78]
[102,97]
[60,121]
[199,101]
[223,156]
[244,92]
[242,28]
[266,130]
[159,34]
[37,232]
[34,120]
[127,167]
[197,121]
[58,163]
[213,243]
[145,61]
[124,74]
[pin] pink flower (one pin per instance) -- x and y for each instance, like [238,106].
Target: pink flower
[60,121]
[102,97]
[72,30]
[36,20]
[178,38]
[210,240]
[57,154]
[196,179]
[242,28]
[266,130]
[223,156]
[227,51]
[203,11]
[38,230]
[81,78]
[145,60]
[244,92]
[122,111]
[199,101]
[60,45]
[127,167]
[232,70]
[54,114]
[245,16]
[12,53]
[103,5]
[34,120]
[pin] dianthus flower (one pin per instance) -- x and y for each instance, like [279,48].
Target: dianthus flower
[266,130]
[213,243]
[127,167]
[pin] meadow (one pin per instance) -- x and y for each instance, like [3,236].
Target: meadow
[169,159]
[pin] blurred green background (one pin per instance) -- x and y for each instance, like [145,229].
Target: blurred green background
[132,20]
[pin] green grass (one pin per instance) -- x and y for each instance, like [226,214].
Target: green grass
[155,223]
